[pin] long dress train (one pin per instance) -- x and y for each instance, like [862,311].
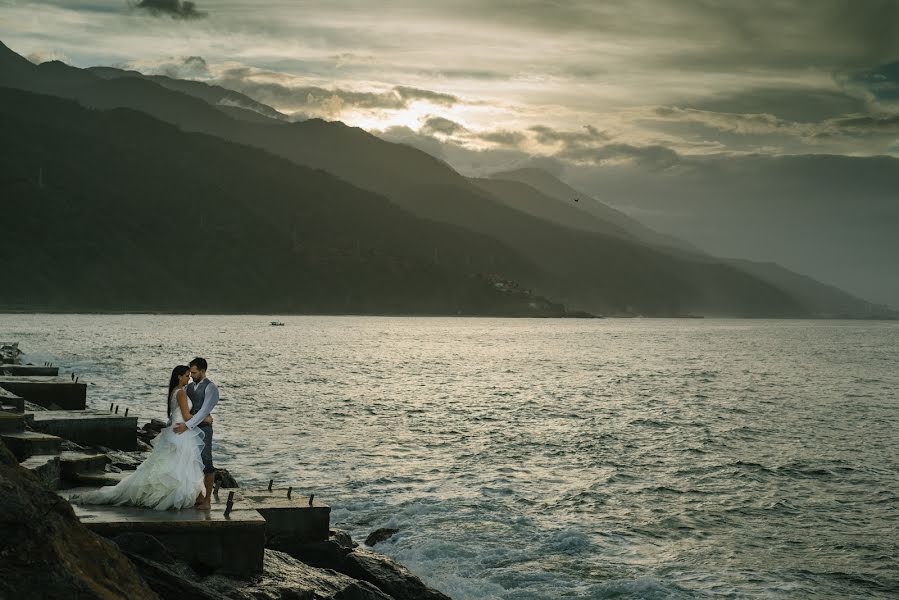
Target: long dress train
[171,477]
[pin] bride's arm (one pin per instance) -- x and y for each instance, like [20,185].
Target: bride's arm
[182,404]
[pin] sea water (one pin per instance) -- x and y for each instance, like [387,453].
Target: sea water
[534,459]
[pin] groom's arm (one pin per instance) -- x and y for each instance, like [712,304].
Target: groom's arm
[211,398]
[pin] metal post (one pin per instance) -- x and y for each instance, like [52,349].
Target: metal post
[311,497]
[126,412]
[270,482]
[289,490]
[230,504]
[116,409]
[111,404]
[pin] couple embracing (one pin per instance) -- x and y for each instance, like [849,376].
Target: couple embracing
[179,472]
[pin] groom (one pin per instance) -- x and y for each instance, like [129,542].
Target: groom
[203,397]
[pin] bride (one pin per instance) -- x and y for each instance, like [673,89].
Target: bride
[172,476]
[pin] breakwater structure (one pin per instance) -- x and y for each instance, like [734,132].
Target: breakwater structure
[253,543]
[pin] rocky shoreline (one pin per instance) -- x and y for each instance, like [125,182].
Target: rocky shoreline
[47,552]
[82,564]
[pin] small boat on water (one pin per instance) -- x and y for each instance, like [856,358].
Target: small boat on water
[277,323]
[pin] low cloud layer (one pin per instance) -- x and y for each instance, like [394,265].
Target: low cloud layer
[289,95]
[177,9]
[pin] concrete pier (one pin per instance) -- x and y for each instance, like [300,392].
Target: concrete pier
[26,370]
[207,540]
[290,519]
[49,392]
[89,427]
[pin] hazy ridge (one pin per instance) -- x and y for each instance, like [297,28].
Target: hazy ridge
[613,266]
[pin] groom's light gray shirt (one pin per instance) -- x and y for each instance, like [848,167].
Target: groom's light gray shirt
[210,399]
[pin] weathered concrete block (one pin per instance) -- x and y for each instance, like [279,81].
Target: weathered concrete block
[10,401]
[206,540]
[73,464]
[99,478]
[24,444]
[287,519]
[89,428]
[61,392]
[28,370]
[11,422]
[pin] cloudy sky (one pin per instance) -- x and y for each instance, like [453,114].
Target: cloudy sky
[585,88]
[582,81]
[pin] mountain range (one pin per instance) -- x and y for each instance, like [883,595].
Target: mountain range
[122,187]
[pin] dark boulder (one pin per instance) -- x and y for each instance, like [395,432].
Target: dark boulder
[342,538]
[45,551]
[224,479]
[150,430]
[379,535]
[142,544]
[384,573]
[70,446]
[283,577]
[124,461]
[326,555]
[388,575]
[154,426]
[165,574]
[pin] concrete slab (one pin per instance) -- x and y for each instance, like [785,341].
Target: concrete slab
[10,408]
[11,422]
[100,478]
[291,519]
[25,444]
[24,370]
[60,392]
[72,464]
[207,540]
[11,401]
[89,427]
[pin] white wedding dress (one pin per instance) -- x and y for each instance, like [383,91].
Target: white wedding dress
[171,477]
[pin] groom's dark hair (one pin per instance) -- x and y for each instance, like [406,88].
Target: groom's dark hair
[199,363]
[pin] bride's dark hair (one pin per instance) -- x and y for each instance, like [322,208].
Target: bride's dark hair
[177,372]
